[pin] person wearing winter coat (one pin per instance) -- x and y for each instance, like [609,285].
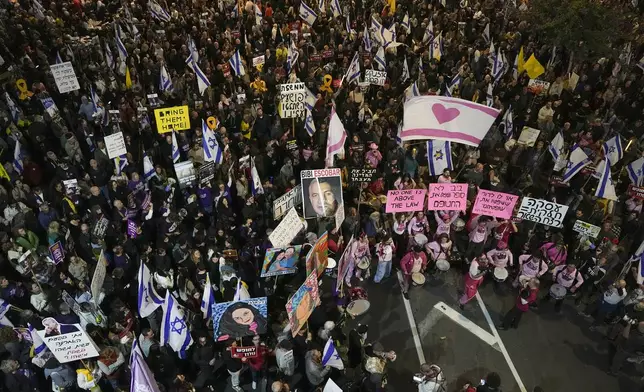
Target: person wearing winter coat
[62,376]
[315,372]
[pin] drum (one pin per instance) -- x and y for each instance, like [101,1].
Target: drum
[420,239]
[458,225]
[358,307]
[442,265]
[418,279]
[331,264]
[557,291]
[364,264]
[500,274]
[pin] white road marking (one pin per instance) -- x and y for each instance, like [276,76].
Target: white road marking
[500,343]
[468,324]
[412,324]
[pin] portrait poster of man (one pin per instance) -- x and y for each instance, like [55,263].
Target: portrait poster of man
[318,257]
[321,192]
[300,306]
[67,342]
[236,319]
[281,261]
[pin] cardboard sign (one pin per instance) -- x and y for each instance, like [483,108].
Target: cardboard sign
[636,191]
[292,99]
[375,77]
[542,211]
[153,100]
[405,200]
[206,172]
[281,261]
[327,54]
[71,186]
[65,77]
[528,136]
[300,306]
[259,60]
[115,145]
[176,118]
[586,229]
[57,252]
[240,352]
[496,204]
[68,342]
[186,174]
[362,174]
[447,197]
[99,277]
[321,192]
[288,228]
[287,201]
[114,116]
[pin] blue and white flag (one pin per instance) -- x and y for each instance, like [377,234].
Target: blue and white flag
[405,71]
[321,6]
[121,163]
[148,298]
[175,148]
[335,8]
[141,378]
[353,73]
[109,57]
[455,82]
[59,60]
[175,331]
[499,67]
[165,84]
[436,48]
[489,96]
[292,55]
[17,159]
[330,356]
[202,81]
[207,299]
[15,111]
[259,15]
[192,47]
[158,12]
[122,52]
[576,161]
[347,25]
[236,64]
[398,138]
[310,99]
[486,33]
[308,123]
[635,171]
[366,40]
[148,168]
[613,149]
[412,91]
[95,99]
[307,14]
[256,183]
[211,150]
[556,146]
[606,187]
[439,156]
[508,122]
[39,346]
[428,37]
[405,23]
[4,308]
[382,63]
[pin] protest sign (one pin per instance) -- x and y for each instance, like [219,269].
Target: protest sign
[528,136]
[331,386]
[114,116]
[186,173]
[71,187]
[339,217]
[318,256]
[115,145]
[542,211]
[67,342]
[343,262]
[99,277]
[206,172]
[132,229]
[447,197]
[287,201]
[286,230]
[50,106]
[365,174]
[405,200]
[65,77]
[496,204]
[636,191]
[57,253]
[292,99]
[153,100]
[172,119]
[259,60]
[375,77]
[321,192]
[300,306]
[281,261]
[586,229]
[236,319]
[538,87]
[240,352]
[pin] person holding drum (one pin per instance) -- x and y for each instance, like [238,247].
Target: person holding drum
[413,262]
[479,232]
[555,253]
[359,259]
[439,251]
[566,278]
[385,252]
[473,279]
[527,295]
[417,225]
[530,266]
[501,258]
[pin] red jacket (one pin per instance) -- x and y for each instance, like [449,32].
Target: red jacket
[532,297]
[407,262]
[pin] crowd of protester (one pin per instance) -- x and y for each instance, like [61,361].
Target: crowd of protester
[219,229]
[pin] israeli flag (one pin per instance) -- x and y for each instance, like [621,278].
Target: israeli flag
[207,299]
[366,39]
[606,187]
[148,299]
[258,15]
[165,84]
[556,146]
[307,14]
[489,97]
[175,148]
[347,25]
[330,356]
[335,8]
[202,81]
[500,66]
[121,163]
[59,60]
[436,48]
[321,5]
[508,122]
[4,308]
[412,91]
[193,50]
[95,99]
[310,99]
[308,123]
[141,378]
[439,156]
[292,56]
[455,82]
[576,161]
[175,331]
[15,112]
[353,73]
[405,71]
[109,57]
[613,149]
[398,137]
[122,52]
[158,12]
[486,33]
[256,183]
[39,346]
[405,23]
[148,168]
[635,171]
[429,33]
[382,63]
[212,151]
[17,159]
[236,64]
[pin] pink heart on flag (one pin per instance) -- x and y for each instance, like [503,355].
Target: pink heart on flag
[444,114]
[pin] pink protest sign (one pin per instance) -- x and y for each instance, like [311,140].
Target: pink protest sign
[447,197]
[405,200]
[497,204]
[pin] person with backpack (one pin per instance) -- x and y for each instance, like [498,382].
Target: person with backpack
[567,276]
[530,266]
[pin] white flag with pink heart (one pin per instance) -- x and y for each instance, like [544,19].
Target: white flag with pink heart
[445,118]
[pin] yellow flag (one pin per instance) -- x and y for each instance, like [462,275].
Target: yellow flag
[521,62]
[392,6]
[533,67]
[128,78]
[3,173]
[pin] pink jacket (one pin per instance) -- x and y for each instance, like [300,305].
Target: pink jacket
[555,255]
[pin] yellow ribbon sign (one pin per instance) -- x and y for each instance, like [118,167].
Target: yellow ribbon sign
[211,122]
[21,84]
[327,84]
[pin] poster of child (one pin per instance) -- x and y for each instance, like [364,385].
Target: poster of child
[318,257]
[241,318]
[281,261]
[302,303]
